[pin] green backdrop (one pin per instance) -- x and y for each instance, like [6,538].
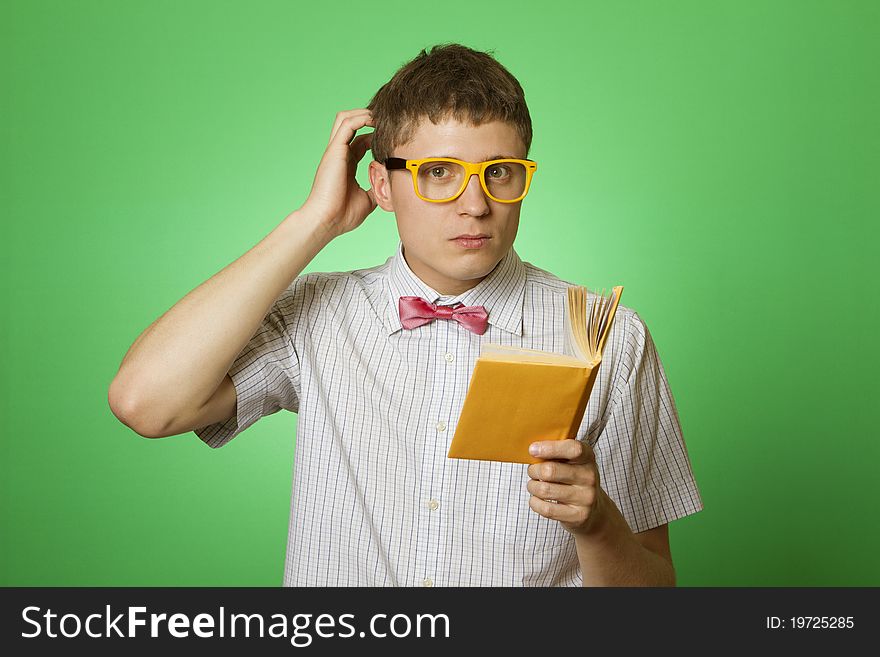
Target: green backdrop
[719,159]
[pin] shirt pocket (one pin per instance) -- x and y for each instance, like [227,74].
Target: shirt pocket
[515,523]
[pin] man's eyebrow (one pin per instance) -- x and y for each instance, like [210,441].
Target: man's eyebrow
[493,157]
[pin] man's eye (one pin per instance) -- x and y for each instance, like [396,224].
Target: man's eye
[435,169]
[498,171]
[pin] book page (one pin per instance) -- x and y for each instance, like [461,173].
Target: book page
[608,318]
[491,351]
[587,330]
[575,323]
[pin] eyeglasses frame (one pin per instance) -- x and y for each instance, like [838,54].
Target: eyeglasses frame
[470,169]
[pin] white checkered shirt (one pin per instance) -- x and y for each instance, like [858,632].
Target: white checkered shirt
[375,500]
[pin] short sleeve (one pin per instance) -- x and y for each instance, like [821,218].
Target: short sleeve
[266,373]
[641,454]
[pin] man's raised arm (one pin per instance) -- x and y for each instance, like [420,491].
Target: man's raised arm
[173,370]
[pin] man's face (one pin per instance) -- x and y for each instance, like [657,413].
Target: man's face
[427,230]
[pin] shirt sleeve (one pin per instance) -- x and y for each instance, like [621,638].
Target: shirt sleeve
[641,454]
[266,373]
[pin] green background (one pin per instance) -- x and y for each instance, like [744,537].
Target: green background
[718,159]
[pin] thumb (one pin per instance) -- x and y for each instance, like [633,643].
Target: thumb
[360,145]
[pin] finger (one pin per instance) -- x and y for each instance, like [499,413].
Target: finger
[361,145]
[562,493]
[340,117]
[574,451]
[562,512]
[347,126]
[347,131]
[342,135]
[579,474]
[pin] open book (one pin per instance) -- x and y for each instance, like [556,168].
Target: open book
[518,396]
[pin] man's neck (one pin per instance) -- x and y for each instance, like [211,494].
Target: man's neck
[444,286]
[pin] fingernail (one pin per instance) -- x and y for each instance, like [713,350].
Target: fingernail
[534,449]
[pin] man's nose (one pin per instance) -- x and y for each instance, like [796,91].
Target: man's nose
[473,198]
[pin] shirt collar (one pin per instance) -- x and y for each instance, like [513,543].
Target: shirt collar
[501,292]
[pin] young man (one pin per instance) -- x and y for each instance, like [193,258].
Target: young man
[377,361]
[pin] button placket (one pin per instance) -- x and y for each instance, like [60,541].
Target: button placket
[433,521]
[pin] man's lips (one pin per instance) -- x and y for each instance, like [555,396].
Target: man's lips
[470,243]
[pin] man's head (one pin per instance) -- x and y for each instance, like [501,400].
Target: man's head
[459,103]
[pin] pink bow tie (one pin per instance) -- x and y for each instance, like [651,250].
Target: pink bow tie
[415,311]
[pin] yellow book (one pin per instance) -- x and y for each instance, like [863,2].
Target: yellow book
[518,396]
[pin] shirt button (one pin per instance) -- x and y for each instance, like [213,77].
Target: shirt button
[433,505]
[441,426]
[449,358]
[427,582]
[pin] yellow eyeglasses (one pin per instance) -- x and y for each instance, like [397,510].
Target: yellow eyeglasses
[439,180]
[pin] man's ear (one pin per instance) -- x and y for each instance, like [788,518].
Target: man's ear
[381,184]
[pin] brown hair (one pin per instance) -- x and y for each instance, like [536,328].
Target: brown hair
[450,81]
